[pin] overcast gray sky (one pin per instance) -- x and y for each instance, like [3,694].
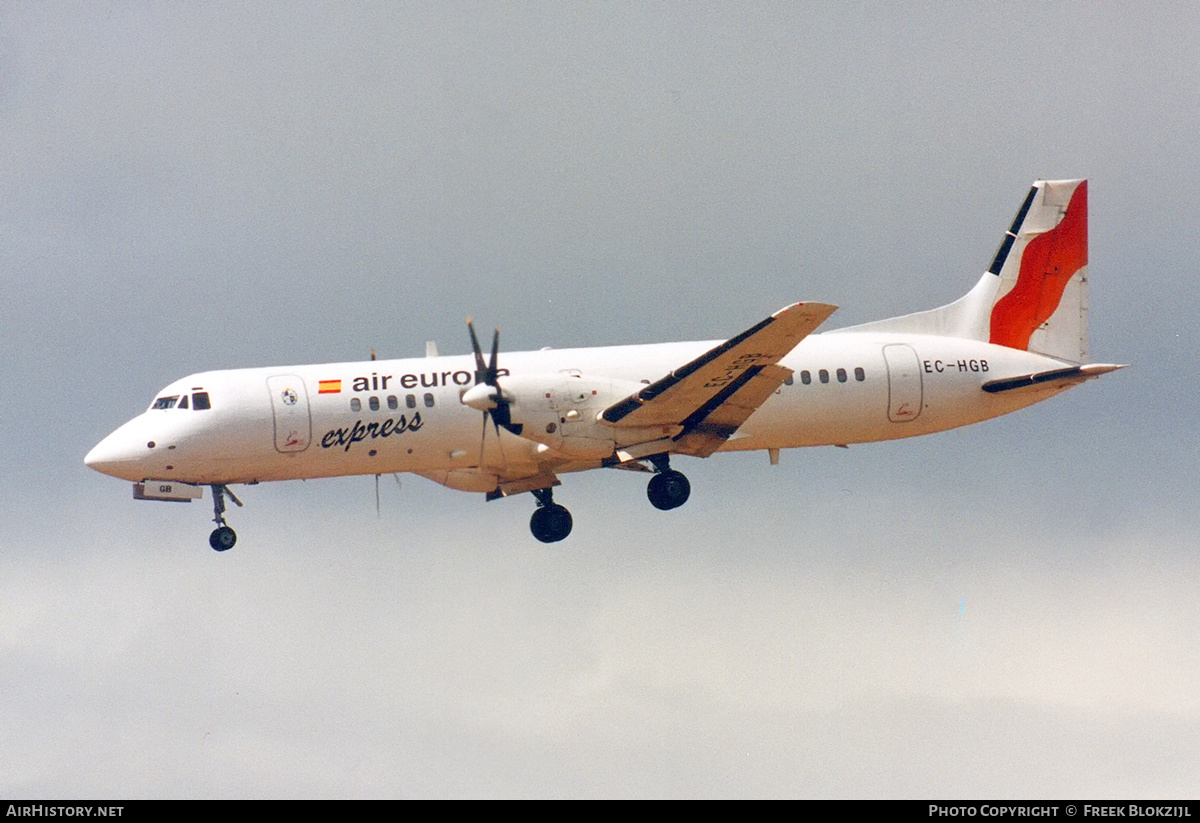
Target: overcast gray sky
[1008,610]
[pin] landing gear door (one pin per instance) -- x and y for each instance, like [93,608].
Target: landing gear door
[289,405]
[904,383]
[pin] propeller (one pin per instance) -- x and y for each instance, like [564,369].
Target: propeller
[486,395]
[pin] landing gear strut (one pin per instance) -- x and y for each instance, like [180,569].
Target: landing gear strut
[668,488]
[223,537]
[550,522]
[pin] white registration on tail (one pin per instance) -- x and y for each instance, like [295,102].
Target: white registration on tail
[504,425]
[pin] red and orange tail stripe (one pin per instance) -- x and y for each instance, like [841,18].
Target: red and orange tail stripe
[1048,264]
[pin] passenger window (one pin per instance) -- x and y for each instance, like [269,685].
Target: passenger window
[165,402]
[841,375]
[411,401]
[355,404]
[200,401]
[393,403]
[373,403]
[805,377]
[859,374]
[789,380]
[824,375]
[429,400]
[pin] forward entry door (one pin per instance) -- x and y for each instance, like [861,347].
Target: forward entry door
[289,404]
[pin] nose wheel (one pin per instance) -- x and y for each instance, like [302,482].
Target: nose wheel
[223,537]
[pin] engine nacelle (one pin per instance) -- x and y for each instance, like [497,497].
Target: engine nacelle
[561,411]
[463,480]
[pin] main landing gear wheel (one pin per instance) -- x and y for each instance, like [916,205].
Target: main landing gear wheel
[668,490]
[550,522]
[222,538]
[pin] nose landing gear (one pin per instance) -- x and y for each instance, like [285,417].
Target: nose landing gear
[223,537]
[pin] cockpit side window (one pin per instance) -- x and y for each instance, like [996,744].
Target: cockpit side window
[165,402]
[200,401]
[183,402]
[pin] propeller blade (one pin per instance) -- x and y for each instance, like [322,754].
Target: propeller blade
[483,442]
[492,371]
[480,368]
[500,444]
[482,439]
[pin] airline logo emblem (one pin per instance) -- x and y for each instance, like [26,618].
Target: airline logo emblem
[329,387]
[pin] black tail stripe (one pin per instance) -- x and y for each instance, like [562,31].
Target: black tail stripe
[1011,235]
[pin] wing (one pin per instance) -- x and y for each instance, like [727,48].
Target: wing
[714,394]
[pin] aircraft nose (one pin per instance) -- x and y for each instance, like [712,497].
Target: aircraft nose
[118,454]
[99,457]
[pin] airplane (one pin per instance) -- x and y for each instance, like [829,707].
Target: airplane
[505,425]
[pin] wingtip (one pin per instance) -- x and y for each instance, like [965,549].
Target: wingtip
[811,306]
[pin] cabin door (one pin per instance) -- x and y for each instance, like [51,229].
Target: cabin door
[289,405]
[904,383]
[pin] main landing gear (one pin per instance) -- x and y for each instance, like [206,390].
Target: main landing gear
[550,522]
[223,537]
[668,488]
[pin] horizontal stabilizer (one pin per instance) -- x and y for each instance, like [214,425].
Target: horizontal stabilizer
[1055,378]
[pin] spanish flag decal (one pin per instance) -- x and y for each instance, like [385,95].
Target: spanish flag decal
[329,386]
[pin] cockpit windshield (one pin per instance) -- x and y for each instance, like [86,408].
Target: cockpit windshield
[199,401]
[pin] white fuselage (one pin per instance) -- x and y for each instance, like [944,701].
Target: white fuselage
[388,416]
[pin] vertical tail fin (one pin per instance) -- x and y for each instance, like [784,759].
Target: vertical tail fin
[1041,302]
[1034,295]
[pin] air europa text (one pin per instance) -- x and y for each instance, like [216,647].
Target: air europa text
[427,380]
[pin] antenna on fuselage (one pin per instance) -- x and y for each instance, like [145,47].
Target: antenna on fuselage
[399,485]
